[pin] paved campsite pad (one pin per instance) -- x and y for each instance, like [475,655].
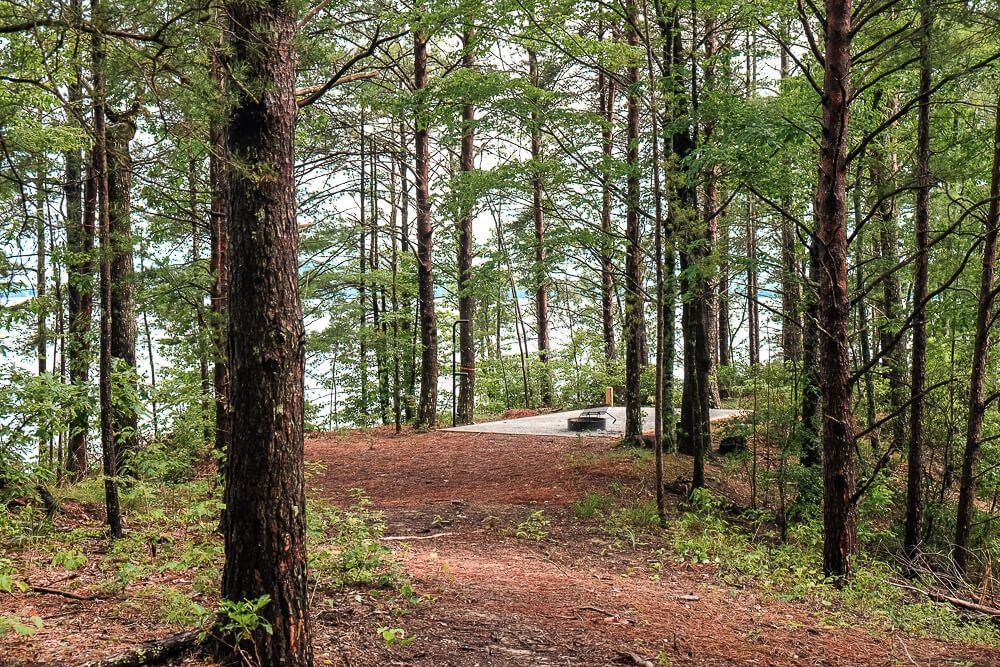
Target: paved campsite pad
[555,423]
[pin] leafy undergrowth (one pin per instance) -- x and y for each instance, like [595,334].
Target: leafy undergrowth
[745,552]
[166,570]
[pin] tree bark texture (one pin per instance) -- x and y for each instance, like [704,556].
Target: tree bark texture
[427,408]
[634,293]
[466,299]
[265,494]
[839,477]
[980,351]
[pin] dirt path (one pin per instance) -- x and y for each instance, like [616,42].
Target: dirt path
[572,599]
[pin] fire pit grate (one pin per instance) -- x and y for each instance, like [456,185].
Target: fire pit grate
[587,423]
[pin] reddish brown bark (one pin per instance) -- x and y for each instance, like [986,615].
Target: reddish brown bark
[980,351]
[839,477]
[265,492]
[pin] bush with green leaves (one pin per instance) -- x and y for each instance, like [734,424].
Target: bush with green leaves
[346,545]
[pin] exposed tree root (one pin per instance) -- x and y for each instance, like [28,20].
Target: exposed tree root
[152,652]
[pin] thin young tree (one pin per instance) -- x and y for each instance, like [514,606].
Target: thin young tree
[466,298]
[427,408]
[634,293]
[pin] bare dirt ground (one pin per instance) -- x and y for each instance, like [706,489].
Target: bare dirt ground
[572,599]
[488,596]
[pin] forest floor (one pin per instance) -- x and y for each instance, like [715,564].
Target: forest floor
[507,565]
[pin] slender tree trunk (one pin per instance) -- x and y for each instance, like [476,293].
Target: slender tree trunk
[725,350]
[921,265]
[466,298]
[839,512]
[41,269]
[694,432]
[634,293]
[397,388]
[753,309]
[219,262]
[711,213]
[538,214]
[980,353]
[808,435]
[606,91]
[124,329]
[884,168]
[362,278]
[109,456]
[80,275]
[791,289]
[661,398]
[80,232]
[863,320]
[427,410]
[409,314]
[204,332]
[265,494]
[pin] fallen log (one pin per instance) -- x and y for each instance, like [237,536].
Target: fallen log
[152,652]
[957,602]
[55,591]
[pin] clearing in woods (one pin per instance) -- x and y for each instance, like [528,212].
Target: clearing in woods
[574,598]
[490,593]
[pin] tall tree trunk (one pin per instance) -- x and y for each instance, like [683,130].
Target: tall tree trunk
[710,211]
[538,215]
[124,330]
[427,409]
[839,483]
[791,289]
[362,279]
[41,268]
[408,315]
[980,352]
[808,432]
[109,455]
[634,293]
[397,382]
[219,262]
[863,319]
[378,292]
[80,231]
[606,91]
[204,332]
[265,495]
[921,265]
[883,173]
[661,399]
[725,350]
[79,274]
[753,308]
[466,298]
[694,433]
